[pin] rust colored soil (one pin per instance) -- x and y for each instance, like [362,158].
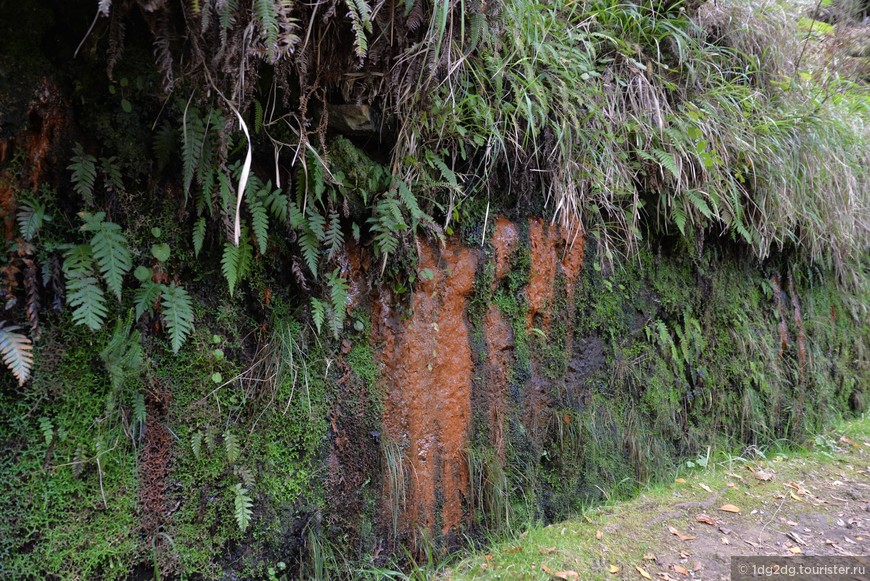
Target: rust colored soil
[504,240]
[427,367]
[499,347]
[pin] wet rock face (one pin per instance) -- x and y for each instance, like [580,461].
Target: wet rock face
[427,368]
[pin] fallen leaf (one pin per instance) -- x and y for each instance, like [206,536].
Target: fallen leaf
[791,523]
[763,475]
[706,519]
[680,480]
[643,572]
[680,535]
[599,535]
[795,550]
[547,551]
[796,497]
[514,550]
[729,508]
[725,541]
[705,487]
[614,569]
[649,557]
[680,570]
[731,485]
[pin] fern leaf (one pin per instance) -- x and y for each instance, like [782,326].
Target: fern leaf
[82,289]
[110,249]
[338,288]
[198,236]
[196,443]
[277,202]
[258,116]
[191,151]
[47,429]
[123,356]
[334,235]
[30,217]
[178,314]
[145,297]
[297,218]
[310,249]
[317,224]
[112,174]
[267,19]
[667,161]
[318,313]
[259,221]
[140,413]
[84,174]
[17,352]
[243,505]
[231,445]
[230,265]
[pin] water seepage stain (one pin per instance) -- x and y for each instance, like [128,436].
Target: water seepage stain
[426,366]
[551,247]
[504,240]
[500,351]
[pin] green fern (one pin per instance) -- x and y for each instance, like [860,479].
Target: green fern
[196,444]
[47,429]
[82,288]
[112,174]
[310,249]
[231,445]
[191,150]
[178,314]
[140,413]
[243,505]
[360,15]
[84,173]
[318,313]
[236,261]
[338,287]
[267,19]
[110,249]
[259,221]
[334,237]
[227,17]
[31,216]
[145,297]
[123,355]
[17,352]
[198,236]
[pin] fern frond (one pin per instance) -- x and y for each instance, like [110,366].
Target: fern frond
[259,221]
[267,19]
[82,288]
[17,352]
[276,201]
[84,174]
[230,265]
[30,217]
[334,236]
[198,236]
[317,224]
[112,174]
[145,297]
[227,15]
[191,150]
[178,314]
[310,249]
[243,505]
[88,301]
[231,445]
[338,287]
[196,443]
[110,249]
[360,16]
[123,355]
[318,313]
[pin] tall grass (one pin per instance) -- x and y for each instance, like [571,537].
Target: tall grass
[637,118]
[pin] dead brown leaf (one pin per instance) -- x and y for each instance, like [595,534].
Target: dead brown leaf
[706,519]
[643,572]
[649,557]
[705,487]
[681,570]
[729,508]
[547,551]
[680,480]
[599,535]
[614,569]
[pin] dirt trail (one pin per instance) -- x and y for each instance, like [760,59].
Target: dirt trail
[810,504]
